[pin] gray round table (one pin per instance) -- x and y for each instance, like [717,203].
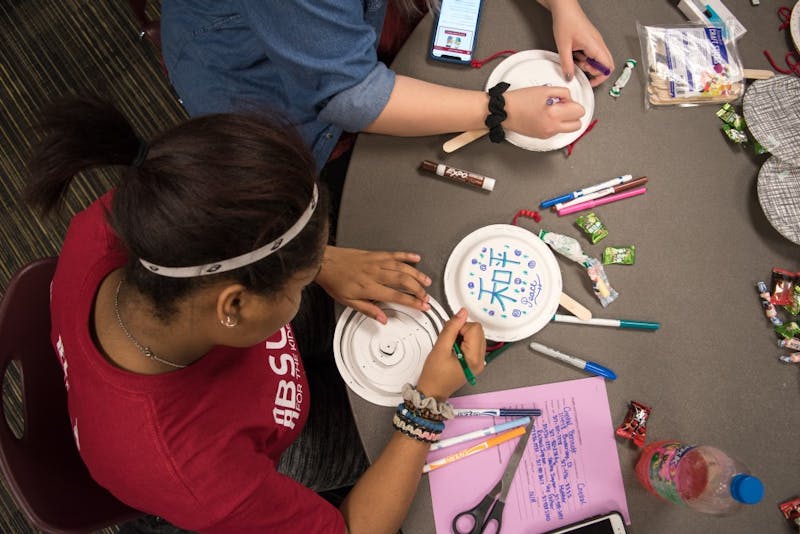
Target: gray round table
[711,372]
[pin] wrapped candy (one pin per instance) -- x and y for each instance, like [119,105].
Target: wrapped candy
[634,427]
[593,227]
[791,511]
[620,255]
[769,308]
[782,286]
[788,331]
[570,248]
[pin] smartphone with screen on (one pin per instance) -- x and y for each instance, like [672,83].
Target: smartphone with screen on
[611,523]
[455,31]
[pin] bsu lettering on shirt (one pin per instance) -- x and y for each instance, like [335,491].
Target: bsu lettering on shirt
[289,393]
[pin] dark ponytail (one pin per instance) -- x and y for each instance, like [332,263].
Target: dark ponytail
[90,133]
[211,188]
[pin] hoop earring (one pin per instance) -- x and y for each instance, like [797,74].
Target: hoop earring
[229,322]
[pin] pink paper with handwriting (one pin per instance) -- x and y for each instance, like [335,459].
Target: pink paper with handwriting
[569,471]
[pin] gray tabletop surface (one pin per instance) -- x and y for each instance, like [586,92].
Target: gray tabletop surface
[711,372]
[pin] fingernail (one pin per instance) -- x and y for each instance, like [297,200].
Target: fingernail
[428,281]
[381,319]
[426,306]
[568,76]
[462,312]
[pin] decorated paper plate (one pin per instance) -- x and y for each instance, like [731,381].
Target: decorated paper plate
[779,195]
[542,67]
[375,360]
[772,111]
[794,25]
[506,278]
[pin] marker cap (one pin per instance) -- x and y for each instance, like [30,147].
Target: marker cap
[600,370]
[488,183]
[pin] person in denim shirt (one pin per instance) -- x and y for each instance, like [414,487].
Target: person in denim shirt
[316,61]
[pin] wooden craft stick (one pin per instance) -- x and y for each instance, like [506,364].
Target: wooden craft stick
[758,74]
[463,139]
[574,307]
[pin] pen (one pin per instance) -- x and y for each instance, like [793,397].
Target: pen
[458,175]
[463,362]
[485,445]
[618,323]
[496,429]
[601,201]
[602,193]
[497,412]
[592,367]
[585,191]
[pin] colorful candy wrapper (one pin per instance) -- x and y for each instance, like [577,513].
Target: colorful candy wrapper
[623,78]
[729,116]
[794,307]
[593,227]
[565,245]
[790,358]
[634,427]
[791,344]
[782,283]
[791,511]
[769,308]
[602,288]
[570,248]
[619,255]
[788,330]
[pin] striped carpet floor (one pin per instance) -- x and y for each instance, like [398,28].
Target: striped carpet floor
[48,49]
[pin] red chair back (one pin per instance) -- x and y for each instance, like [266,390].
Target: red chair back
[43,470]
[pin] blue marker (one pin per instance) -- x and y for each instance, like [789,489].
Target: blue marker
[592,367]
[585,191]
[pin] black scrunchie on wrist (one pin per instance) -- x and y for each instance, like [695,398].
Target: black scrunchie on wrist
[497,112]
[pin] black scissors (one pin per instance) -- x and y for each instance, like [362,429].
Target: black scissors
[491,507]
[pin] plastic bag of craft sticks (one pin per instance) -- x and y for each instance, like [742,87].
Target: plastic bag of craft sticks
[689,65]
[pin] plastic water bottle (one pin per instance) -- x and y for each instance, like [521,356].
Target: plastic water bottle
[701,477]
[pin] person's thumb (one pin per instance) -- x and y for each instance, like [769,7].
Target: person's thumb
[451,329]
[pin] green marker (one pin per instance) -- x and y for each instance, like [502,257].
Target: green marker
[463,362]
[617,323]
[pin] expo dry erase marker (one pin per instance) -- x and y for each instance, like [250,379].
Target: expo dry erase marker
[458,175]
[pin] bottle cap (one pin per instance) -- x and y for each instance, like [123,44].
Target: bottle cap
[747,489]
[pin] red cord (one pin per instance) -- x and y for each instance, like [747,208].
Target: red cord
[586,131]
[527,213]
[478,63]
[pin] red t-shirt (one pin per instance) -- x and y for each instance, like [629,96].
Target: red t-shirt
[196,446]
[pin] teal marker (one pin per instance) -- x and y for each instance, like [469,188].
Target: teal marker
[616,323]
[463,362]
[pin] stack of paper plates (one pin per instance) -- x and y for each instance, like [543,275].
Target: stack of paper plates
[375,360]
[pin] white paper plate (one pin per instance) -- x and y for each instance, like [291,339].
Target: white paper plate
[794,25]
[506,278]
[375,360]
[541,67]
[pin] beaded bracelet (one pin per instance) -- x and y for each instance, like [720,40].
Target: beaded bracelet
[410,416]
[415,432]
[419,403]
[424,412]
[497,112]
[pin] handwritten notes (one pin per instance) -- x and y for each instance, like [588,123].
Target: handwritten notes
[570,469]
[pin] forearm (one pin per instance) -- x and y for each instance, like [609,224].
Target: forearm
[557,4]
[380,500]
[416,108]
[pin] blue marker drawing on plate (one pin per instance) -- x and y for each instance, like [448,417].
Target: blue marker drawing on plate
[503,280]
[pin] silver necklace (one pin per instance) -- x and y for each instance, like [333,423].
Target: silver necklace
[144,350]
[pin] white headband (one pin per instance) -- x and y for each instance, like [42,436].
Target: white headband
[239,261]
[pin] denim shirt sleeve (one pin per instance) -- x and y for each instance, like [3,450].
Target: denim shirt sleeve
[330,46]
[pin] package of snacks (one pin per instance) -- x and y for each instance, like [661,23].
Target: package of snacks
[688,65]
